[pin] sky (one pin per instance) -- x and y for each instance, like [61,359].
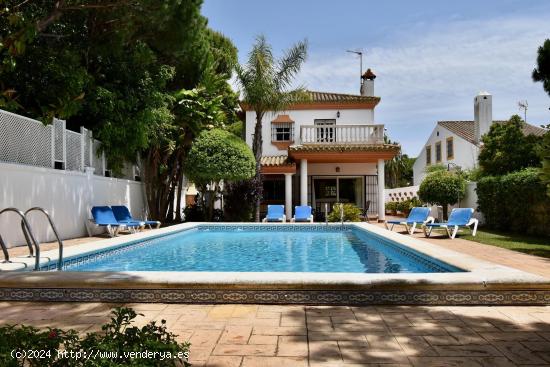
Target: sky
[431,57]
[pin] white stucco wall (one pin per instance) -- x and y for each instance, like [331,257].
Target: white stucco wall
[400,193]
[67,195]
[329,169]
[465,153]
[303,117]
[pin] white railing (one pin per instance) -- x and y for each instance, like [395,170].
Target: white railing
[30,142]
[342,134]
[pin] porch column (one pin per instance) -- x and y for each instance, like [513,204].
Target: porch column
[288,195]
[303,182]
[381,184]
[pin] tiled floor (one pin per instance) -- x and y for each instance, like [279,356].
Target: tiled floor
[264,335]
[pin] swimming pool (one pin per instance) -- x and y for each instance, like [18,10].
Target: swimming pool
[264,248]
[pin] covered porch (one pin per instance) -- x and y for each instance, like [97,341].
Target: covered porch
[322,175]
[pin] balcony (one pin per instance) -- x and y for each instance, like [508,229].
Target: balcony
[342,134]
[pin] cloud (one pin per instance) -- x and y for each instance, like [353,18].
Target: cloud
[432,72]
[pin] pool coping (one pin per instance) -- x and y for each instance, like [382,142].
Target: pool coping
[483,283]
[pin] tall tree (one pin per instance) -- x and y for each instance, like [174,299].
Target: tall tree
[506,149]
[542,74]
[266,85]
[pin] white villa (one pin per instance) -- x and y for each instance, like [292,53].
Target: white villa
[457,143]
[326,150]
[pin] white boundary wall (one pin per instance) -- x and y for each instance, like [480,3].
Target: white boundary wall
[67,195]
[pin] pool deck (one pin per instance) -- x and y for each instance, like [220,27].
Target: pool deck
[484,283]
[326,336]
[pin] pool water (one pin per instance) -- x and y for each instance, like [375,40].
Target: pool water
[281,250]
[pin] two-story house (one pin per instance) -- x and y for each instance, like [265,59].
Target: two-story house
[457,143]
[326,150]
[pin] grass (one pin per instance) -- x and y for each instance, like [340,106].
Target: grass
[538,246]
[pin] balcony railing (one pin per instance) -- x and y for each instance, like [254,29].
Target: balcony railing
[342,134]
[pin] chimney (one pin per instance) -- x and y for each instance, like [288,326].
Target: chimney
[483,115]
[367,83]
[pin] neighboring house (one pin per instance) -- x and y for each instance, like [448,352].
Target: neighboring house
[323,151]
[456,143]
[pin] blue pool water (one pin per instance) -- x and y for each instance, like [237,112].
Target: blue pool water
[277,250]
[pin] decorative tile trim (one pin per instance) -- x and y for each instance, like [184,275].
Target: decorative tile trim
[504,297]
[276,227]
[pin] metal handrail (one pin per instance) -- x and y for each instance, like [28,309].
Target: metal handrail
[29,237]
[60,259]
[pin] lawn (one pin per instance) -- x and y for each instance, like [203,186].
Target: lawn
[539,246]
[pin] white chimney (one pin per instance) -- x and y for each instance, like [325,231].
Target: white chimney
[483,115]
[367,83]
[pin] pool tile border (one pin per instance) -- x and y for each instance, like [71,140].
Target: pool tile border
[336,297]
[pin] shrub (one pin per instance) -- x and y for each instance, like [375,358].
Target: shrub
[391,206]
[442,188]
[118,337]
[239,199]
[351,213]
[515,202]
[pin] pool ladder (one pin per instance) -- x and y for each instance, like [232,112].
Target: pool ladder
[31,239]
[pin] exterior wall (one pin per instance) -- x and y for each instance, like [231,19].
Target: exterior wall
[400,193]
[465,153]
[303,117]
[329,169]
[67,195]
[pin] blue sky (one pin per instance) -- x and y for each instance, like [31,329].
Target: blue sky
[431,57]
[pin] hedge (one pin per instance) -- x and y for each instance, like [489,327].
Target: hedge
[515,202]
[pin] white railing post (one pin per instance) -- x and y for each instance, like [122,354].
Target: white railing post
[64,140]
[52,136]
[82,147]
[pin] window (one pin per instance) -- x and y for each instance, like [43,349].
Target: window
[428,155]
[324,130]
[450,148]
[438,152]
[274,190]
[282,131]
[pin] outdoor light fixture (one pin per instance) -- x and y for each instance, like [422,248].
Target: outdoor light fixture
[338,114]
[337,169]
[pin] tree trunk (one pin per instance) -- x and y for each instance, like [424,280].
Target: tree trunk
[257,149]
[180,192]
[445,211]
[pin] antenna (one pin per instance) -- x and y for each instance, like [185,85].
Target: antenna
[360,53]
[523,105]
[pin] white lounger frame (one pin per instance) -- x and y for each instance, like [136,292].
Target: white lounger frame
[282,220]
[113,231]
[452,235]
[308,220]
[412,228]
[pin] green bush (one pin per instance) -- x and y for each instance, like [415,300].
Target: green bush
[351,213]
[118,340]
[515,202]
[391,206]
[442,188]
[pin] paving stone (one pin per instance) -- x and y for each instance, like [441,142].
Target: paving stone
[416,346]
[543,346]
[383,342]
[219,361]
[244,350]
[518,336]
[353,344]
[456,339]
[235,335]
[274,362]
[263,339]
[292,346]
[335,335]
[282,330]
[293,320]
[467,350]
[517,353]
[324,351]
[460,362]
[371,355]
[268,315]
[204,338]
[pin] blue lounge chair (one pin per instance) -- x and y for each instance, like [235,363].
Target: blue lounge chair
[460,217]
[302,214]
[103,217]
[275,213]
[123,215]
[418,215]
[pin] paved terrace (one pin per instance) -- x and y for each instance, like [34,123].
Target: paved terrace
[328,336]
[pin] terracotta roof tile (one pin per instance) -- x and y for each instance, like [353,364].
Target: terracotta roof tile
[344,147]
[283,119]
[276,161]
[339,97]
[465,129]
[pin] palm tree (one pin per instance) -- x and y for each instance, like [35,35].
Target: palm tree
[266,85]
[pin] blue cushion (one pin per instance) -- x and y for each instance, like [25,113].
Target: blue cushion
[418,215]
[302,212]
[275,211]
[460,216]
[103,216]
[122,213]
